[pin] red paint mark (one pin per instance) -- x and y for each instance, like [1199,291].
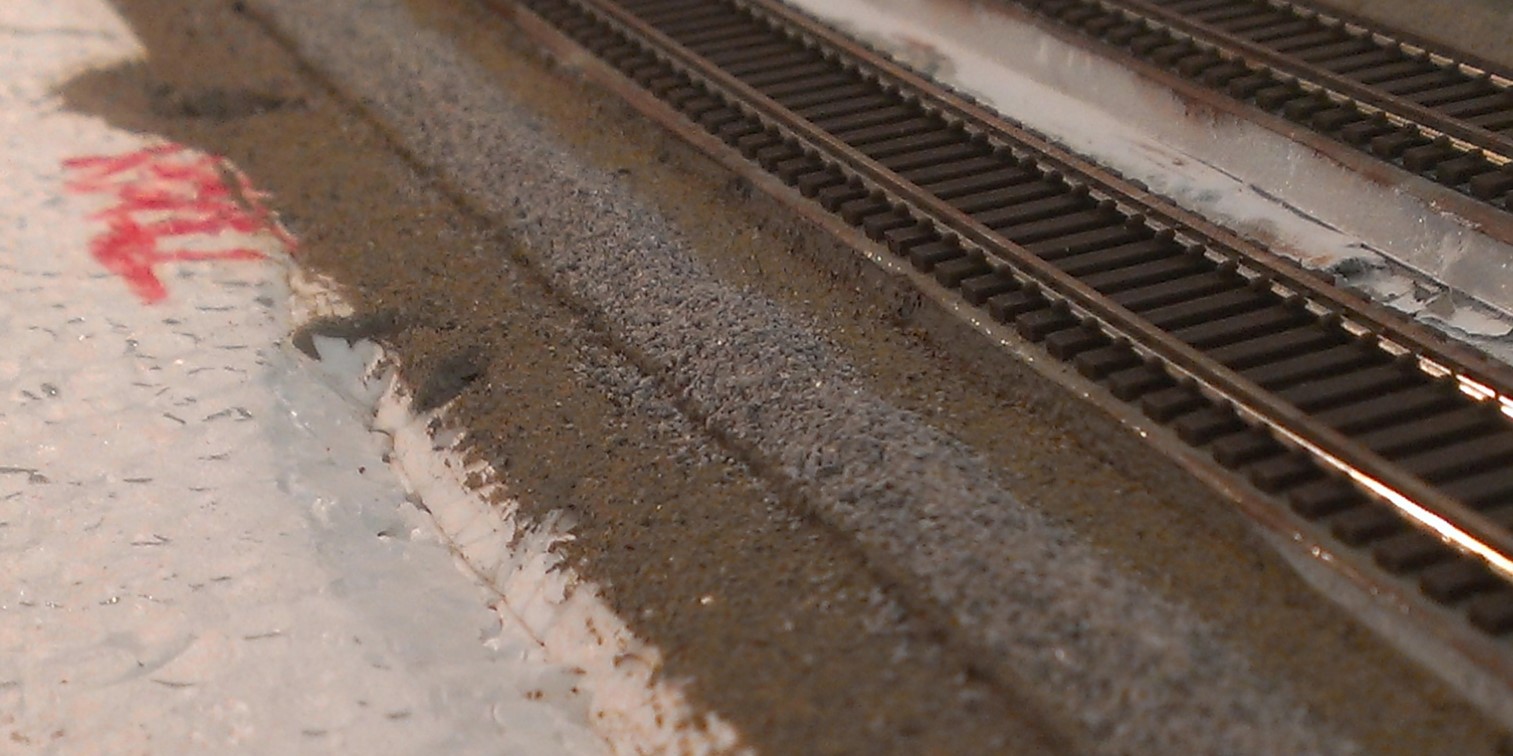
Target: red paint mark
[169,192]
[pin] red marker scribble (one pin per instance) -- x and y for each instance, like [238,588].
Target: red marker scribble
[169,192]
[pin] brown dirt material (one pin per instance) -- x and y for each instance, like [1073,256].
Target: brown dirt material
[805,654]
[803,646]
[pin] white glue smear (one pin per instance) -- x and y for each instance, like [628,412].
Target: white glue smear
[546,611]
[1386,243]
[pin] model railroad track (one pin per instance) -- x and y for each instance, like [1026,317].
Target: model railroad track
[1438,114]
[1356,425]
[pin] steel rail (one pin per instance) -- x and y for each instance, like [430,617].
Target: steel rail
[1380,101]
[1441,356]
[1499,148]
[1467,63]
[1420,503]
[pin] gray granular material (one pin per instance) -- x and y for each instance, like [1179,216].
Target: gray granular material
[1140,673]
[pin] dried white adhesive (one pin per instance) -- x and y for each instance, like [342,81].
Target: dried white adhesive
[1387,243]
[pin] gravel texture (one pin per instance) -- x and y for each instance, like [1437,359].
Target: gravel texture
[841,575]
[764,614]
[1139,673]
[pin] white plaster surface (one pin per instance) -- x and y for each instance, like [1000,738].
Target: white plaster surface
[203,548]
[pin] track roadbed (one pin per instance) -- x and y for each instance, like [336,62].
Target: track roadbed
[844,533]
